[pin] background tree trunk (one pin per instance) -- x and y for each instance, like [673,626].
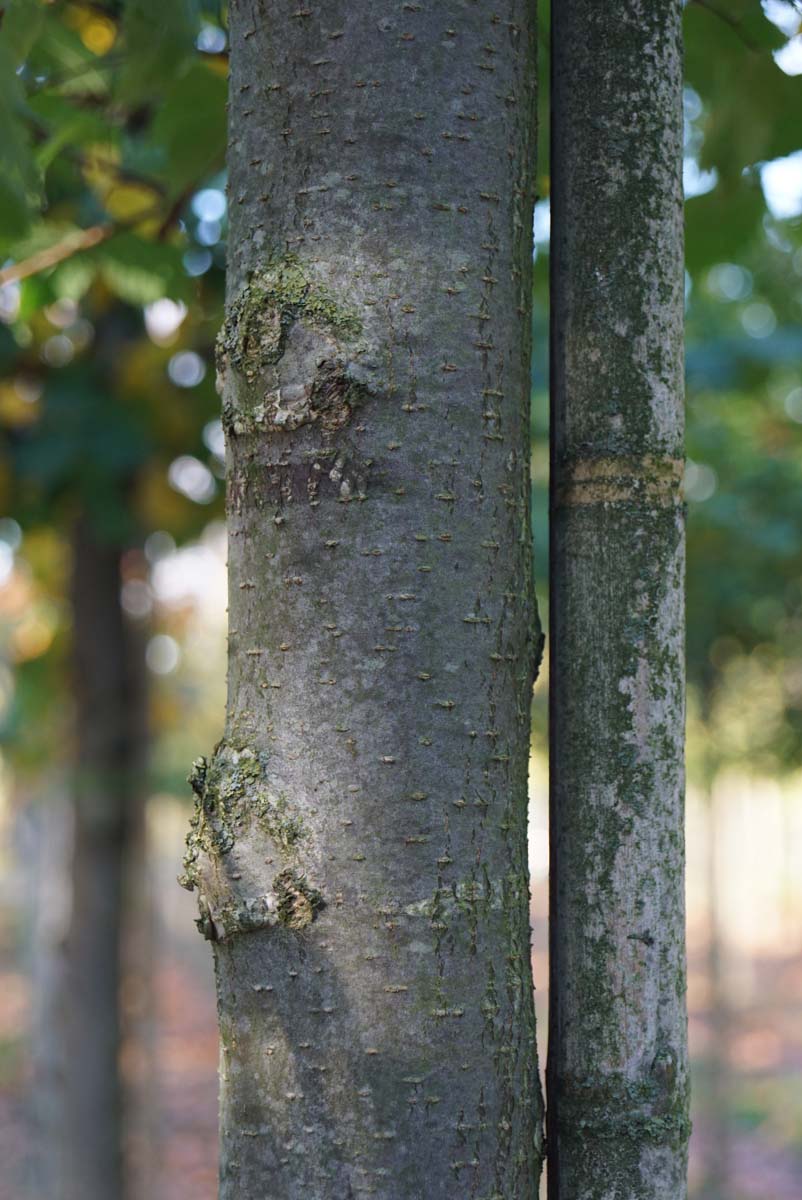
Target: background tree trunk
[45,849]
[617,1071]
[109,725]
[717,1087]
[359,844]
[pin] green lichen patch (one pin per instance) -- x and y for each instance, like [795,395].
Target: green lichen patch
[259,319]
[232,797]
[275,816]
[210,830]
[284,339]
[296,900]
[654,1108]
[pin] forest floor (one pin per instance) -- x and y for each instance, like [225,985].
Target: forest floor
[748,1108]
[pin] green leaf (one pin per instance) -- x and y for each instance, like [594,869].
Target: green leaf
[753,110]
[35,293]
[159,39]
[72,279]
[63,62]
[14,213]
[140,271]
[191,128]
[22,23]
[67,125]
[18,175]
[720,225]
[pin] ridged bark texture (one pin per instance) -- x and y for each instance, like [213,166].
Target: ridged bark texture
[359,843]
[617,1073]
[110,736]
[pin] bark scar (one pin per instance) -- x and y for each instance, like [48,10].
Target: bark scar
[649,478]
[283,342]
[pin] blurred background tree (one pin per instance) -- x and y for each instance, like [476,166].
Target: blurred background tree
[109,423]
[112,240]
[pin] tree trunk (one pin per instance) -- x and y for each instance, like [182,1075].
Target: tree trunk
[359,844]
[46,852]
[617,1075]
[718,1083]
[109,721]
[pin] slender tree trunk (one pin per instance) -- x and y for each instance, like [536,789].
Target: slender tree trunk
[138,1016]
[359,845]
[46,853]
[109,733]
[617,1071]
[716,1182]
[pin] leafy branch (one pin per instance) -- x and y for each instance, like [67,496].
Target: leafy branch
[730,20]
[75,242]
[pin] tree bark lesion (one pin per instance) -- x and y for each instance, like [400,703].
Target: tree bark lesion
[282,355]
[297,901]
[240,824]
[616,479]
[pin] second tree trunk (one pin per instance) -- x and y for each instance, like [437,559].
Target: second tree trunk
[618,1079]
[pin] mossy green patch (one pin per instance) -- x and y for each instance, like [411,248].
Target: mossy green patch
[279,294]
[232,795]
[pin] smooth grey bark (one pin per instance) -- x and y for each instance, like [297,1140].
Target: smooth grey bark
[617,1071]
[109,740]
[359,842]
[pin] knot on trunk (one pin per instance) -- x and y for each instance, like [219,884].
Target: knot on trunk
[236,804]
[283,340]
[296,900]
